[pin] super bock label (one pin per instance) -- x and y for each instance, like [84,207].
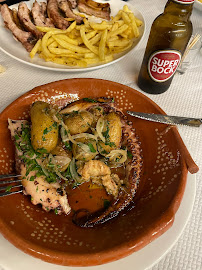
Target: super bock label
[163,64]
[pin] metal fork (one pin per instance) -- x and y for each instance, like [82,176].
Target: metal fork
[7,186]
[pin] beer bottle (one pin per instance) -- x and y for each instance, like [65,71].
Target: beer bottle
[169,36]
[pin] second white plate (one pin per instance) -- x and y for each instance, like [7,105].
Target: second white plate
[14,48]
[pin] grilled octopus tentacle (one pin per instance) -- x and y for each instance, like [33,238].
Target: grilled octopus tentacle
[133,167]
[125,196]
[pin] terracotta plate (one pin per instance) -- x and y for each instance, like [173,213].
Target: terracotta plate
[56,239]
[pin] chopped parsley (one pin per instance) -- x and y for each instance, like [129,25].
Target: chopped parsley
[91,147]
[106,135]
[30,156]
[8,189]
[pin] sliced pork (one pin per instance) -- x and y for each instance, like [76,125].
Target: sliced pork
[73,3]
[24,17]
[101,10]
[38,12]
[26,38]
[64,5]
[54,14]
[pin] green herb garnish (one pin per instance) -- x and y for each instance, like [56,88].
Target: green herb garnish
[91,147]
[8,189]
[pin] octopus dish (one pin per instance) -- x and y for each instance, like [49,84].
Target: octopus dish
[89,141]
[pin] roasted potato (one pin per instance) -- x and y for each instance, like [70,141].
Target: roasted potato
[97,112]
[44,130]
[112,132]
[78,122]
[85,150]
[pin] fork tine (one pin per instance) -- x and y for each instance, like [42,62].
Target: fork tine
[9,193]
[4,176]
[4,188]
[7,189]
[10,181]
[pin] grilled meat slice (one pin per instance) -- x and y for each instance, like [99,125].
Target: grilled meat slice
[64,5]
[93,8]
[16,19]
[24,17]
[39,15]
[73,3]
[26,38]
[54,14]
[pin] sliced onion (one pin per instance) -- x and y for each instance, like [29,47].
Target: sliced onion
[64,136]
[73,171]
[61,160]
[85,135]
[60,175]
[99,128]
[43,168]
[84,147]
[115,153]
[68,134]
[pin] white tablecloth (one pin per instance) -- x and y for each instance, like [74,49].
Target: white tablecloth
[184,98]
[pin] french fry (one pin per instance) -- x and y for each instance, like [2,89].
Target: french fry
[100,26]
[70,47]
[125,17]
[54,44]
[68,39]
[36,48]
[126,9]
[59,51]
[117,17]
[118,43]
[86,41]
[134,25]
[90,55]
[95,39]
[118,31]
[45,29]
[102,45]
[44,46]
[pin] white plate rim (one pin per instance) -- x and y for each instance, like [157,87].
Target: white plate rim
[117,4]
[154,252]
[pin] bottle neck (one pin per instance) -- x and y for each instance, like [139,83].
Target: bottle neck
[181,8]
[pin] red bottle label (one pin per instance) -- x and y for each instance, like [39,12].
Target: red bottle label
[184,1]
[163,64]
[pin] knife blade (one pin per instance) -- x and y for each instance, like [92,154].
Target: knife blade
[168,119]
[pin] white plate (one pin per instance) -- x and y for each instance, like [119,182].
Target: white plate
[13,259]
[198,5]
[14,48]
